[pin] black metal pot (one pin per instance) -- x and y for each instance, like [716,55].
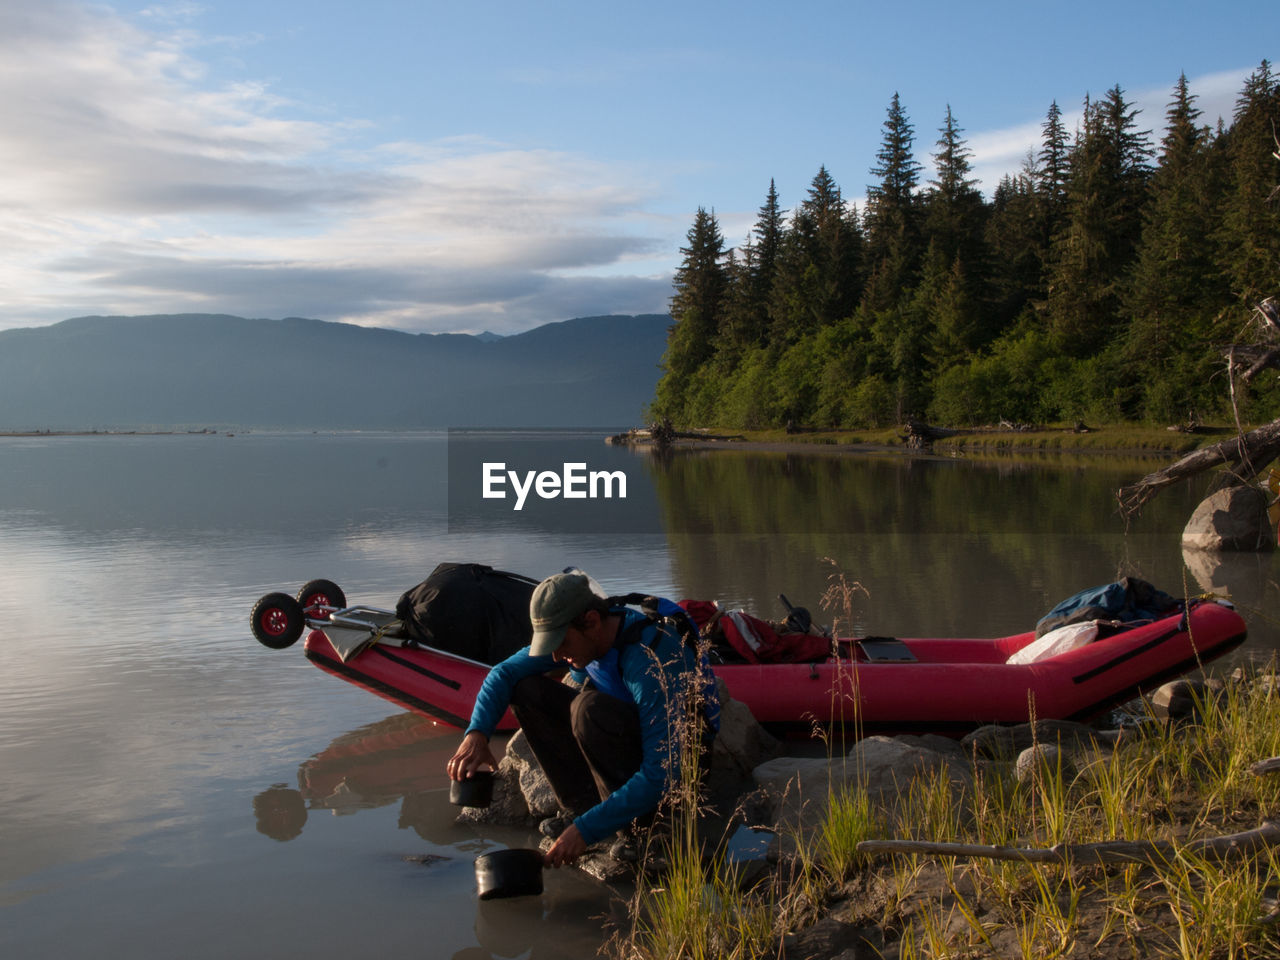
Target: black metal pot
[509,873]
[476,791]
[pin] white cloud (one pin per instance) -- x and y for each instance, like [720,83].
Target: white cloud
[129,184]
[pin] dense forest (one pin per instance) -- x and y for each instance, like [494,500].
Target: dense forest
[1099,283]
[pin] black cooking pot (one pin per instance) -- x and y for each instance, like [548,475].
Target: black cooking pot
[476,791]
[509,873]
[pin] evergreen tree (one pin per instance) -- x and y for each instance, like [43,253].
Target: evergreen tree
[817,281]
[1053,174]
[697,309]
[955,218]
[750,283]
[1175,288]
[1249,240]
[739,317]
[1126,160]
[1094,248]
[1015,242]
[768,231]
[954,210]
[892,215]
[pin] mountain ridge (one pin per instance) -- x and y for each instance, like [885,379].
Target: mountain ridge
[216,370]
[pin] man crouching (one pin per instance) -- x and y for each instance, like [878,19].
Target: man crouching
[610,749]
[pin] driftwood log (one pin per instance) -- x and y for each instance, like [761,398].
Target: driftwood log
[921,435]
[1270,765]
[1112,851]
[1246,456]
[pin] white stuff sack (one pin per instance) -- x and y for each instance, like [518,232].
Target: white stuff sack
[1057,641]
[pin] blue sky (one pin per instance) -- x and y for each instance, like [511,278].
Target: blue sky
[436,166]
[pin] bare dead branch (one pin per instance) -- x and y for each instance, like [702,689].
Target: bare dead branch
[1245,455]
[1268,312]
[1258,357]
[1223,847]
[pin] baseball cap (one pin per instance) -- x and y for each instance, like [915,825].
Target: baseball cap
[556,601]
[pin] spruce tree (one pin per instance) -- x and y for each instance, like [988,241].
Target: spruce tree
[817,281]
[1015,242]
[768,231]
[739,315]
[955,218]
[1175,289]
[893,244]
[697,307]
[1093,249]
[954,209]
[1053,174]
[1249,239]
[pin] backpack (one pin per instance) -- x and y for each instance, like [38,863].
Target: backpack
[759,641]
[470,610]
[669,614]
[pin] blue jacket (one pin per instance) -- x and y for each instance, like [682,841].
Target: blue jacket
[644,670]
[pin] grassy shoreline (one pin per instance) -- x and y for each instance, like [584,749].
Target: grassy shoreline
[1164,784]
[1124,439]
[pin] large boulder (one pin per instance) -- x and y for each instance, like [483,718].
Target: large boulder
[1231,519]
[534,785]
[883,766]
[742,744]
[1186,697]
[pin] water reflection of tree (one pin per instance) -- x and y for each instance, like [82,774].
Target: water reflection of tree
[933,539]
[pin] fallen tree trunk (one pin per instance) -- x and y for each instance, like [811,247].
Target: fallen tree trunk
[1111,851]
[920,434]
[1246,455]
[1262,767]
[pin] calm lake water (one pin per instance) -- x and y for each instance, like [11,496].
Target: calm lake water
[170,787]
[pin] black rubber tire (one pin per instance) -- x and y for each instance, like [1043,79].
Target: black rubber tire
[277,621]
[324,592]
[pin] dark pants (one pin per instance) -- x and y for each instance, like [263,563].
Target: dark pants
[587,742]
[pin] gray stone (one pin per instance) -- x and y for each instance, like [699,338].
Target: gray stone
[883,766]
[889,764]
[1004,743]
[1231,519]
[947,746]
[1045,760]
[533,783]
[742,744]
[1182,699]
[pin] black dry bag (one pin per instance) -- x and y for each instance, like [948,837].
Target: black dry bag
[471,610]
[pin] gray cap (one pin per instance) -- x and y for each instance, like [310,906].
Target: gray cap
[556,602]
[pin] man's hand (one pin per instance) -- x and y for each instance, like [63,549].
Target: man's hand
[567,848]
[472,754]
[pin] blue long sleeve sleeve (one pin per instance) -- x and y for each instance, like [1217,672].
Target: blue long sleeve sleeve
[495,693]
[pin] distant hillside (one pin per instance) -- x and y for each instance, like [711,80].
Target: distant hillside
[195,370]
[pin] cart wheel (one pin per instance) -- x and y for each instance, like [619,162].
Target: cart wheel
[277,621]
[321,593]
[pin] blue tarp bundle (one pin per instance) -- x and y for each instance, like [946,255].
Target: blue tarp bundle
[1127,600]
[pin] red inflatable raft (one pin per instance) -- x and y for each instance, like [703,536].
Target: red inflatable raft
[878,685]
